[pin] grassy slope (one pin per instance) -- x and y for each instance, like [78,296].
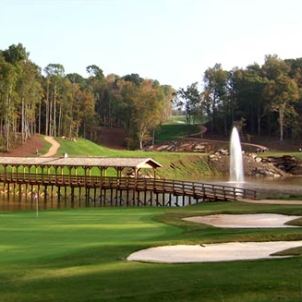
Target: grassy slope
[175,165]
[281,153]
[174,129]
[79,255]
[170,132]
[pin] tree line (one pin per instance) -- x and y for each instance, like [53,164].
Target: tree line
[263,99]
[53,103]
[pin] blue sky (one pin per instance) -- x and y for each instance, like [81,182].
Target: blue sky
[173,41]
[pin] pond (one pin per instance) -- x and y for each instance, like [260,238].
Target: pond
[290,187]
[268,187]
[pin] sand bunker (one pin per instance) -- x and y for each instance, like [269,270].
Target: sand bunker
[213,252]
[223,251]
[245,220]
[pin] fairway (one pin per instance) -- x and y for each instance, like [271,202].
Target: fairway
[80,255]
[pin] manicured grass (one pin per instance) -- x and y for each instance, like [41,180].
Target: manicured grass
[170,132]
[298,155]
[79,255]
[176,165]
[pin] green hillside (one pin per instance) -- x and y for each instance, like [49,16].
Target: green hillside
[175,128]
[175,165]
[171,132]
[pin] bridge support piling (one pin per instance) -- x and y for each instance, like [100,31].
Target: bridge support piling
[59,195]
[170,200]
[20,192]
[127,197]
[8,188]
[45,194]
[31,193]
[145,197]
[72,196]
[51,193]
[176,203]
[121,197]
[65,194]
[94,196]
[157,202]
[26,192]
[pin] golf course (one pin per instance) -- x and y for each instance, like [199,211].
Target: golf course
[163,174]
[85,250]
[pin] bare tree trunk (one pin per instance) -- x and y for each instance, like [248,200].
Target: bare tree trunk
[34,127]
[54,113]
[7,121]
[258,125]
[153,136]
[47,109]
[281,123]
[70,129]
[50,118]
[7,143]
[1,127]
[22,121]
[39,125]
[26,126]
[141,137]
[60,121]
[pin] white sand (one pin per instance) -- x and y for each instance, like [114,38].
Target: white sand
[245,220]
[213,252]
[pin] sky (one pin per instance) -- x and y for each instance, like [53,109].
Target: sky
[173,41]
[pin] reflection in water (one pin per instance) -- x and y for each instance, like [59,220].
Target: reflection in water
[103,198]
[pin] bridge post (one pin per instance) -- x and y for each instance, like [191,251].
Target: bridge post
[59,194]
[72,195]
[170,200]
[8,188]
[20,192]
[127,195]
[45,194]
[26,191]
[234,193]
[145,195]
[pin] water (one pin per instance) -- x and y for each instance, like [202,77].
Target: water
[16,202]
[236,162]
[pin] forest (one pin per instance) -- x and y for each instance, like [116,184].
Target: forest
[53,103]
[261,100]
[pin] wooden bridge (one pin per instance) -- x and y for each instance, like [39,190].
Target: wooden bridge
[71,181]
[120,191]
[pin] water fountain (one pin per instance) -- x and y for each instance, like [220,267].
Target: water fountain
[236,161]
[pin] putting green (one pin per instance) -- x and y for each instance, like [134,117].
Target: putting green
[80,255]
